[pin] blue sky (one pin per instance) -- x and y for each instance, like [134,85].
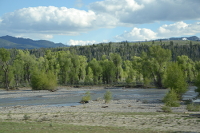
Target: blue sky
[82,22]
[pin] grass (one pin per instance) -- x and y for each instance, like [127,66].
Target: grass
[166,109]
[33,127]
[193,107]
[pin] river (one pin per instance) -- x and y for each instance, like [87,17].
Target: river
[64,97]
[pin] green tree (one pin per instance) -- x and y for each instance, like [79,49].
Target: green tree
[89,76]
[171,99]
[128,73]
[18,71]
[197,83]
[28,63]
[108,71]
[96,69]
[117,60]
[50,62]
[82,68]
[175,79]
[74,71]
[157,59]
[64,60]
[187,66]
[4,61]
[41,80]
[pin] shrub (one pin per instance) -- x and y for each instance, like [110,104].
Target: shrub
[107,96]
[193,107]
[175,79]
[197,83]
[43,81]
[86,98]
[166,109]
[171,99]
[26,117]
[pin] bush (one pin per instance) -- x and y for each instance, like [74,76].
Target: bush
[43,81]
[175,79]
[166,109]
[26,117]
[193,107]
[107,96]
[197,83]
[86,98]
[171,99]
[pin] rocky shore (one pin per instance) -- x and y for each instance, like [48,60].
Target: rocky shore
[128,113]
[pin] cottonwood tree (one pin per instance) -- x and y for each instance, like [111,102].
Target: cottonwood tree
[4,61]
[187,66]
[156,60]
[96,69]
[175,79]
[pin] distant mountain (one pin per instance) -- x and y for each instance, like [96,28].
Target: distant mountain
[192,38]
[25,43]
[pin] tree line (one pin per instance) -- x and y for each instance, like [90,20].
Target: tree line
[154,66]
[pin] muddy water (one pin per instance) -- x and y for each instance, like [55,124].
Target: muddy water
[64,97]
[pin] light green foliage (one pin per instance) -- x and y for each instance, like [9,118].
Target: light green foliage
[108,96]
[74,72]
[171,99]
[129,72]
[43,81]
[50,62]
[193,107]
[86,98]
[82,69]
[139,67]
[116,59]
[197,83]
[96,69]
[175,79]
[187,66]
[24,63]
[18,72]
[65,64]
[89,76]
[4,55]
[154,62]
[108,71]
[4,62]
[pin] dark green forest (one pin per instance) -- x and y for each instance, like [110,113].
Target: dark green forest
[151,63]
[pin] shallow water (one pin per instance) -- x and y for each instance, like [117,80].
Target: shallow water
[72,98]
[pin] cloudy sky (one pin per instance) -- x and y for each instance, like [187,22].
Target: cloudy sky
[82,22]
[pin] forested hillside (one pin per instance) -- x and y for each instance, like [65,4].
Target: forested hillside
[143,63]
[129,49]
[26,43]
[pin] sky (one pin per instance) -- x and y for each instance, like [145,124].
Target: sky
[84,22]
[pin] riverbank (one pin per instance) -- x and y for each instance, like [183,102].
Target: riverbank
[118,113]
[124,113]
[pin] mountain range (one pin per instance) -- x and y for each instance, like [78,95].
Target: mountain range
[26,43]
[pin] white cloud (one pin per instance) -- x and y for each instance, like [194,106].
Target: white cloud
[53,20]
[148,11]
[179,29]
[137,34]
[44,22]
[80,42]
[48,20]
[165,31]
